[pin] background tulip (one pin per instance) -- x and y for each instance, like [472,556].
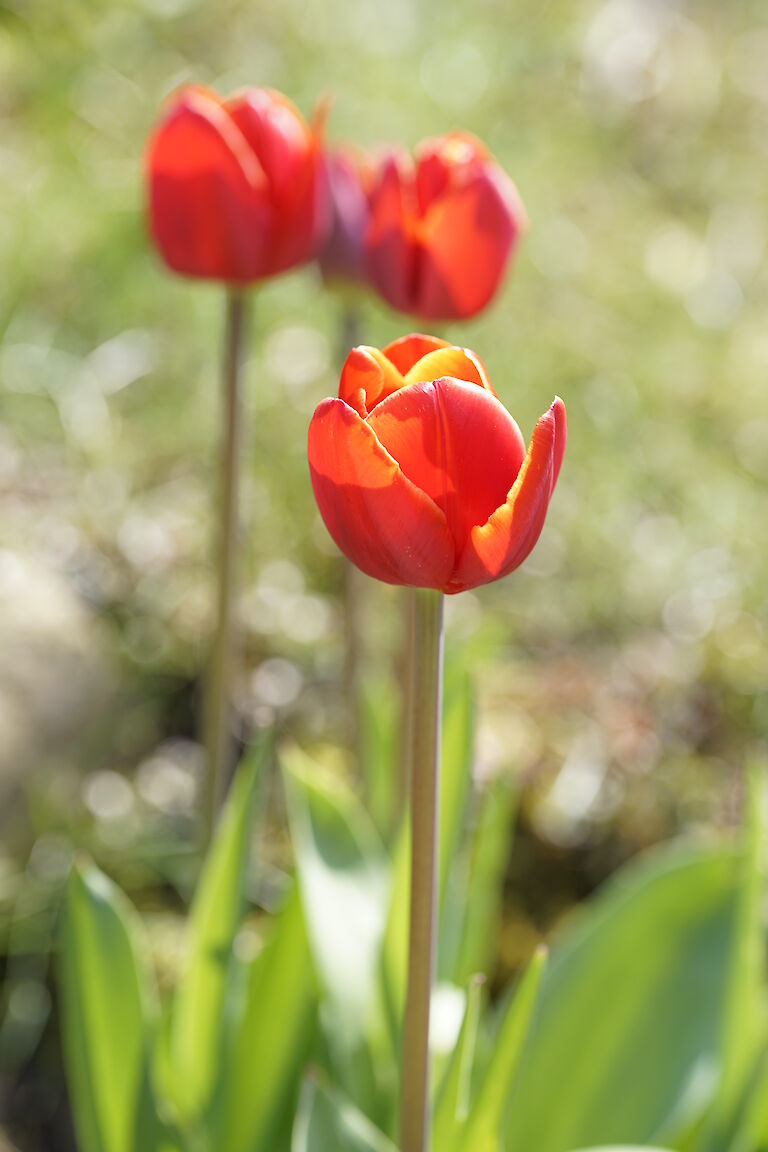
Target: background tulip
[237,188]
[350,175]
[442,228]
[421,475]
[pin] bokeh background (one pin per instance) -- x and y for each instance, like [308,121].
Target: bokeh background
[621,673]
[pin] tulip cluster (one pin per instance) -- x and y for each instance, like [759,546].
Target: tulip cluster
[420,474]
[243,189]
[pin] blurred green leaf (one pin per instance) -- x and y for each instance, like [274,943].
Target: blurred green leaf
[108,1006]
[490,849]
[628,1022]
[344,882]
[326,1122]
[215,918]
[455,774]
[453,1098]
[744,1019]
[379,751]
[270,1040]
[500,1075]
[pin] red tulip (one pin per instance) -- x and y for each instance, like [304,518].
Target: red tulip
[350,175]
[237,189]
[420,473]
[442,229]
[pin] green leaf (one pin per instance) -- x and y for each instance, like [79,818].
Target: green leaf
[500,1075]
[491,846]
[452,1107]
[455,774]
[344,883]
[628,1022]
[744,1017]
[108,1013]
[326,1122]
[215,918]
[270,1041]
[379,751]
[623,1148]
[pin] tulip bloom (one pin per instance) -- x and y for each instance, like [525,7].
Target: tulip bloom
[421,475]
[442,228]
[236,188]
[350,176]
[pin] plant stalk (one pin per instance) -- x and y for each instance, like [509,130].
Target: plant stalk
[218,735]
[426,713]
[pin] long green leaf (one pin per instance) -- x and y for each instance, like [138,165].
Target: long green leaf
[108,1006]
[452,1109]
[326,1122]
[500,1076]
[744,1018]
[215,918]
[455,773]
[491,846]
[628,1022]
[344,883]
[270,1041]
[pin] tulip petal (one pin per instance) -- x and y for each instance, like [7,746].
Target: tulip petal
[367,377]
[457,443]
[465,243]
[408,350]
[289,155]
[209,208]
[377,517]
[499,546]
[460,363]
[390,243]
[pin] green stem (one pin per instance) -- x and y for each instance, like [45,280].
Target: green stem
[219,742]
[426,711]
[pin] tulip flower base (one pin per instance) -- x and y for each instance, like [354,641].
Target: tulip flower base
[218,703]
[424,729]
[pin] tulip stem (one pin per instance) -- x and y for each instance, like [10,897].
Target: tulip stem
[426,710]
[218,718]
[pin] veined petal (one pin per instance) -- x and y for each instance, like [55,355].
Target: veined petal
[457,443]
[367,377]
[378,518]
[460,363]
[209,207]
[496,548]
[408,350]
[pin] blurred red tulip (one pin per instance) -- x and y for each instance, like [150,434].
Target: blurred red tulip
[442,229]
[236,188]
[420,473]
[350,176]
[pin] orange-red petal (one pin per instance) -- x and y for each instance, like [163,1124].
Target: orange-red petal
[378,518]
[408,350]
[290,156]
[464,245]
[457,443]
[496,548]
[390,245]
[209,208]
[460,363]
[367,377]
